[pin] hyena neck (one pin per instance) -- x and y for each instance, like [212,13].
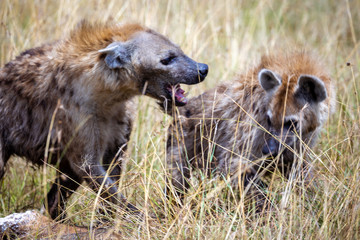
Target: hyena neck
[81,79]
[50,80]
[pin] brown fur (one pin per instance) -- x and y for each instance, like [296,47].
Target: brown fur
[226,130]
[86,81]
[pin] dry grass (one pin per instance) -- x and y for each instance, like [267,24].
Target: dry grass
[229,36]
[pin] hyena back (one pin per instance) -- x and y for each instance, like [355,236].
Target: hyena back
[79,91]
[270,115]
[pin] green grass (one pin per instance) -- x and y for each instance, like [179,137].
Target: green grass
[230,36]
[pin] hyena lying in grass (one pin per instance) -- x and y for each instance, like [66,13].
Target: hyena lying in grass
[73,97]
[268,118]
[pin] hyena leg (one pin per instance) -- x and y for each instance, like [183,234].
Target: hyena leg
[299,170]
[4,157]
[2,165]
[95,176]
[112,161]
[255,189]
[2,162]
[66,183]
[247,177]
[179,171]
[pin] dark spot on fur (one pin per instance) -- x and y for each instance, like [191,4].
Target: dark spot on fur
[7,82]
[19,91]
[69,121]
[32,81]
[42,104]
[54,80]
[33,52]
[29,113]
[71,93]
[188,113]
[221,89]
[27,77]
[9,65]
[16,74]
[62,90]
[120,122]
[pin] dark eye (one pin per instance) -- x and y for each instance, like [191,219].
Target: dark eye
[168,60]
[290,124]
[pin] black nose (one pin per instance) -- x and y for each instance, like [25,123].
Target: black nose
[270,147]
[203,70]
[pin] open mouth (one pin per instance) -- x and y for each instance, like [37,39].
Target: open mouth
[177,94]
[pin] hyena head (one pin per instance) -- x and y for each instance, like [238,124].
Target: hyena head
[158,65]
[293,110]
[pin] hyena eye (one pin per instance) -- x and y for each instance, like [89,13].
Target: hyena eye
[168,60]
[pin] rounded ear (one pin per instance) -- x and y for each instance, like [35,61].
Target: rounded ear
[117,55]
[268,79]
[311,89]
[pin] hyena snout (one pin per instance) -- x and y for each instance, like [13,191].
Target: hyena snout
[203,70]
[271,147]
[195,72]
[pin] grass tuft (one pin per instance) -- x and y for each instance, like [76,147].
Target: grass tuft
[229,36]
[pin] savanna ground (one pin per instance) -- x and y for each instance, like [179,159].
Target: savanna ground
[229,36]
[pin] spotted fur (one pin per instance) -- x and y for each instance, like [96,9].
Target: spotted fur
[78,91]
[244,129]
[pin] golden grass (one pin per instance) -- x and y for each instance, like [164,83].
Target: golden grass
[229,36]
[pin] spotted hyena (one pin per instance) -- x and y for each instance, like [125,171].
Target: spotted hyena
[268,118]
[73,97]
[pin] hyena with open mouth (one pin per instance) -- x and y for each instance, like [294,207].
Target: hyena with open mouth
[78,92]
[268,118]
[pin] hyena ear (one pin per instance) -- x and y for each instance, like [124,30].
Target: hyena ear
[268,79]
[311,89]
[117,55]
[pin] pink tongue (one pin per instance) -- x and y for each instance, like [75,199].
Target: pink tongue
[179,95]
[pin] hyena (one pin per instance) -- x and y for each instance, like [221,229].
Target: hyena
[268,118]
[69,103]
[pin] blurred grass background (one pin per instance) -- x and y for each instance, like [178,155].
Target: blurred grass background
[230,36]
